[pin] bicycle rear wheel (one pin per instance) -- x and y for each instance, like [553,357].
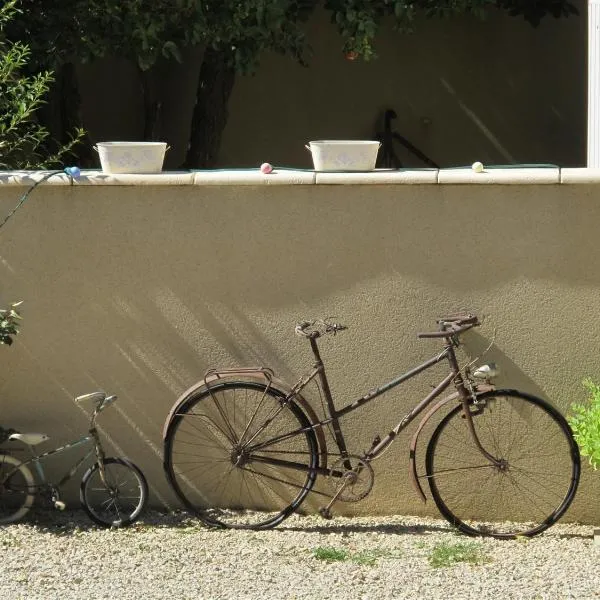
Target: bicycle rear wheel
[16,489]
[239,456]
[119,499]
[534,482]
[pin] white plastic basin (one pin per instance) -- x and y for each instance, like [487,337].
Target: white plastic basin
[131,157]
[344,155]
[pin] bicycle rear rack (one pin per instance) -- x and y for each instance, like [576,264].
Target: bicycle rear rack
[267,373]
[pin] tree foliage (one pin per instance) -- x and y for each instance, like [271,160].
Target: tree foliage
[235,33]
[148,30]
[358,21]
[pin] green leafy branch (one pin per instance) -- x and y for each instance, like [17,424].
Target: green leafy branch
[585,423]
[22,138]
[9,323]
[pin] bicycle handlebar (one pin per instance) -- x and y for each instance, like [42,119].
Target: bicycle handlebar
[319,327]
[100,398]
[449,332]
[452,325]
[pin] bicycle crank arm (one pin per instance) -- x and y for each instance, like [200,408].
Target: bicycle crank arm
[325,511]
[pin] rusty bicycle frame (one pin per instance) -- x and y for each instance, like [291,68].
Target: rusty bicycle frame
[466,392]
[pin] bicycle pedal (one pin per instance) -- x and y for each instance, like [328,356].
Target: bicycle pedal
[326,513]
[59,505]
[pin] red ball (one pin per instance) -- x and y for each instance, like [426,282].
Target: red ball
[266,168]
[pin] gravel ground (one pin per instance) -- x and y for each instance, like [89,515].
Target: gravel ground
[62,555]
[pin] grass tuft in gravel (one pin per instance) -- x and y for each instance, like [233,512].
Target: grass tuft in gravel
[445,554]
[329,554]
[366,557]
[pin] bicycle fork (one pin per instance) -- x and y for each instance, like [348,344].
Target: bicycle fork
[471,393]
[100,456]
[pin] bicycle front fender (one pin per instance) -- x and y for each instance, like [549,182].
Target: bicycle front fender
[414,478]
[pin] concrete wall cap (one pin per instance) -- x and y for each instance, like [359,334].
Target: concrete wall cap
[164,178]
[254,177]
[97,177]
[580,175]
[383,176]
[502,176]
[466,175]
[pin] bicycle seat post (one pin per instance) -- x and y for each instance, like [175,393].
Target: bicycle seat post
[335,423]
[315,350]
[322,376]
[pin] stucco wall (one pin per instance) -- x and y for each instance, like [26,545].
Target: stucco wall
[498,91]
[138,289]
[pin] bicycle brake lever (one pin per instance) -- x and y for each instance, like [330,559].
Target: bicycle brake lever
[334,328]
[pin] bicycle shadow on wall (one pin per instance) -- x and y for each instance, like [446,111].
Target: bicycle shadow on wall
[475,346]
[483,349]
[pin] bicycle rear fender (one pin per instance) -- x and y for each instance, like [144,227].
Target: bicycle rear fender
[414,478]
[252,374]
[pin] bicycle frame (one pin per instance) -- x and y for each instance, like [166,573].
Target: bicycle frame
[379,445]
[36,459]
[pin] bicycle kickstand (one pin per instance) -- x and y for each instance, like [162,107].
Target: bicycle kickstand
[325,511]
[56,501]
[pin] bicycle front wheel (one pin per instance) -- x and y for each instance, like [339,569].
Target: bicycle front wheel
[240,455]
[16,489]
[119,499]
[532,481]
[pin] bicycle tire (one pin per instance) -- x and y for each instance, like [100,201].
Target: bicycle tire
[122,503]
[533,487]
[213,467]
[16,489]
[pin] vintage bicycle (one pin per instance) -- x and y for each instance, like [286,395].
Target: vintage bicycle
[244,450]
[113,491]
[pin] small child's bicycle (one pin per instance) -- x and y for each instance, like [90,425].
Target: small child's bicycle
[113,490]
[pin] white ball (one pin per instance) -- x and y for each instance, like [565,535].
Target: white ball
[477,167]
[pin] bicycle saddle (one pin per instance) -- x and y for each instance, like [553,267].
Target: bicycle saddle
[31,439]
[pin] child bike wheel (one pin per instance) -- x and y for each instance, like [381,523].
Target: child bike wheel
[16,489]
[118,502]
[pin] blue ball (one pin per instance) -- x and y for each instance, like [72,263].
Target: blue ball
[74,172]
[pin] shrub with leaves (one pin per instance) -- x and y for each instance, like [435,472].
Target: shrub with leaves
[9,323]
[585,423]
[23,141]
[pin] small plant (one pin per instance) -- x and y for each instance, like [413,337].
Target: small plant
[366,557]
[370,557]
[329,554]
[9,323]
[585,423]
[446,555]
[9,541]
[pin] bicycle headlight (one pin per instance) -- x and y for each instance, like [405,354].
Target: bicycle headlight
[487,371]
